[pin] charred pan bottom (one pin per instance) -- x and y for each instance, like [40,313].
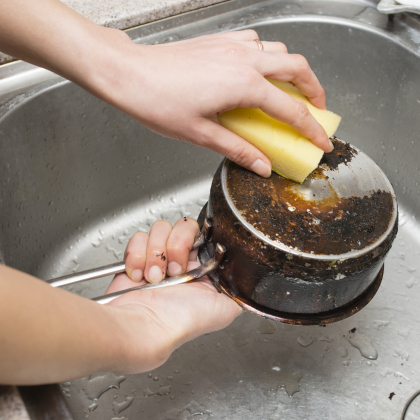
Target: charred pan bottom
[322,318]
[288,288]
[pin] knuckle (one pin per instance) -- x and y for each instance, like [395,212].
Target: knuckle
[283,47]
[158,254]
[301,63]
[252,77]
[202,135]
[251,33]
[249,77]
[239,154]
[178,248]
[320,91]
[137,256]
[301,114]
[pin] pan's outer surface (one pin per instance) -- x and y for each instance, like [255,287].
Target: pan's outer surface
[259,273]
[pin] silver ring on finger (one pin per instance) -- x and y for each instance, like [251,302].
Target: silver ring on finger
[260,44]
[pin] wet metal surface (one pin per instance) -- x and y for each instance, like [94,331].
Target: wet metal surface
[67,206]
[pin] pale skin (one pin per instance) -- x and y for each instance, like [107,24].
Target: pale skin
[49,335]
[177,89]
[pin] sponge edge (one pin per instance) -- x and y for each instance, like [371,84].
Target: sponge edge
[327,119]
[291,155]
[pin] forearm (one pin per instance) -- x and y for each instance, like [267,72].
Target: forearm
[50,335]
[49,34]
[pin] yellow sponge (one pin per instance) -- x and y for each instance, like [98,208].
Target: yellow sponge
[291,155]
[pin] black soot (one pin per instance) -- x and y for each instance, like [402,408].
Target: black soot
[333,225]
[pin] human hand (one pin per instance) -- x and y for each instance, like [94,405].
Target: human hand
[134,333]
[178,89]
[175,89]
[158,321]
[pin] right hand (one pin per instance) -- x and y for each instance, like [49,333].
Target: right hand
[175,89]
[178,89]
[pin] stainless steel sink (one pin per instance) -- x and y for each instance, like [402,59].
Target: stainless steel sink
[78,177]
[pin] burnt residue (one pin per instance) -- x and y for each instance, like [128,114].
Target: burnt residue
[330,226]
[343,153]
[288,288]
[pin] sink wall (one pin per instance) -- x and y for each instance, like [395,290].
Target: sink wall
[77,178]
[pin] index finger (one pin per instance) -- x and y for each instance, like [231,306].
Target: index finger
[295,113]
[292,68]
[179,245]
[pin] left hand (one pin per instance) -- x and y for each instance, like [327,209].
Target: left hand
[158,321]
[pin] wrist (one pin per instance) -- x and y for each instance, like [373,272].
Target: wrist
[106,65]
[141,342]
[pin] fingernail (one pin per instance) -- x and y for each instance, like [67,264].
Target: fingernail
[261,168]
[155,274]
[174,268]
[137,275]
[331,144]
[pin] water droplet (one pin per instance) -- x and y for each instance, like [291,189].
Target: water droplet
[380,324]
[291,383]
[147,392]
[156,378]
[363,344]
[266,327]
[400,375]
[120,407]
[410,282]
[411,269]
[403,354]
[404,332]
[151,220]
[93,406]
[96,386]
[149,375]
[305,341]
[342,352]
[325,338]
[164,390]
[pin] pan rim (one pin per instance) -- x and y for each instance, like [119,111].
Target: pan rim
[298,253]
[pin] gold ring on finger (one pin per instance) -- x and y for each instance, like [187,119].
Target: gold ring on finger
[260,44]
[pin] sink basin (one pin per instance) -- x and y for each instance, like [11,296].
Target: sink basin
[78,178]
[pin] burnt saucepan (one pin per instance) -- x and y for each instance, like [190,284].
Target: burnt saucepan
[301,254]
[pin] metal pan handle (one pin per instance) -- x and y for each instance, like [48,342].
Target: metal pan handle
[119,267]
[194,274]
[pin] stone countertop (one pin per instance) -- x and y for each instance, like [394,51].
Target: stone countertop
[124,14]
